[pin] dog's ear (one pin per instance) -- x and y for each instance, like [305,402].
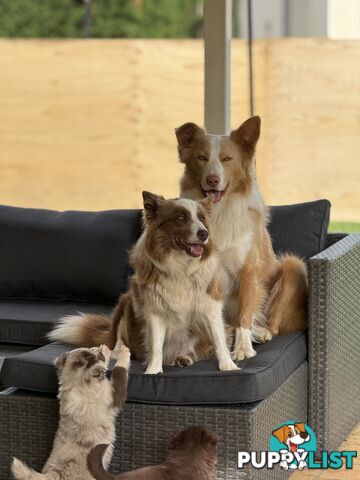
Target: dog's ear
[188,134]
[247,135]
[177,441]
[211,438]
[151,205]
[208,204]
[59,362]
[280,434]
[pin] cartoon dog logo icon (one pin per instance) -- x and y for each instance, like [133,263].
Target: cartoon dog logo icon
[293,436]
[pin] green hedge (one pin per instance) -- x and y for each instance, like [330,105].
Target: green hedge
[111,18]
[344,227]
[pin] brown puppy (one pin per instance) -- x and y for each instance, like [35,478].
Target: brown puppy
[192,457]
[265,294]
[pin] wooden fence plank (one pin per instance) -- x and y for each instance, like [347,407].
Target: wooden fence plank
[90,124]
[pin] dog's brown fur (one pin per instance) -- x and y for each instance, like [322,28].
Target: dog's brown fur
[261,284]
[192,457]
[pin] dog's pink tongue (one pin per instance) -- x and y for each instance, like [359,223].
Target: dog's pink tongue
[216,194]
[196,249]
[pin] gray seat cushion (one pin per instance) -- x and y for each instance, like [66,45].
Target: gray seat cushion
[27,323]
[10,351]
[201,383]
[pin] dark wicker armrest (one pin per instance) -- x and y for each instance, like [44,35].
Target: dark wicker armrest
[334,341]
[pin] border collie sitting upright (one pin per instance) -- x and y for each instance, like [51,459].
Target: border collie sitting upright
[173,310]
[265,294]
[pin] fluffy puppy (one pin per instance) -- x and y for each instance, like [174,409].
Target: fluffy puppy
[192,457]
[89,403]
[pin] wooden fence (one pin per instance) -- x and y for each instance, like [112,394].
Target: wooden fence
[89,124]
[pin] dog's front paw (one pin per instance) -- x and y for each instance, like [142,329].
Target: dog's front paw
[284,465]
[302,465]
[241,353]
[265,336]
[227,364]
[153,369]
[122,355]
[183,361]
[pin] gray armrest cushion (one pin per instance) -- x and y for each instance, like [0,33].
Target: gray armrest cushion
[334,341]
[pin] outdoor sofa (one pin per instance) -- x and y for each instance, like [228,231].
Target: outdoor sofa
[57,263]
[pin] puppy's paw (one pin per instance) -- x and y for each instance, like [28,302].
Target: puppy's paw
[227,364]
[302,465]
[241,353]
[122,355]
[153,370]
[105,350]
[183,361]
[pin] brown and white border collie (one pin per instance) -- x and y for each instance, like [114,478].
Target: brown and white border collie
[266,295]
[173,310]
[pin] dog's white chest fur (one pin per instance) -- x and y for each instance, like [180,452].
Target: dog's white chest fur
[181,293]
[178,300]
[233,232]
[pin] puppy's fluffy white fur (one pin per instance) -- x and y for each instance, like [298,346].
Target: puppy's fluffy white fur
[89,403]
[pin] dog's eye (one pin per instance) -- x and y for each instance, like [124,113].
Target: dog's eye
[202,158]
[180,219]
[226,159]
[290,434]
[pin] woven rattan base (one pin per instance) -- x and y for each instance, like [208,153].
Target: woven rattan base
[28,424]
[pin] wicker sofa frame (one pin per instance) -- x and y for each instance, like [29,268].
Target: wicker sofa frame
[325,391]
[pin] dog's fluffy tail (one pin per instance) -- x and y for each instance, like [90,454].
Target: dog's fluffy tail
[85,330]
[95,464]
[23,472]
[288,301]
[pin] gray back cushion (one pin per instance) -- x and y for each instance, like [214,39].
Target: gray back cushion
[83,256]
[301,228]
[65,256]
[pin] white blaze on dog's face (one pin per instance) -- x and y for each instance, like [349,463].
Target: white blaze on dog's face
[292,435]
[179,224]
[215,164]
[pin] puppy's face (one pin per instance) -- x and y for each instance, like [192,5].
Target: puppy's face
[195,440]
[83,365]
[178,224]
[217,165]
[292,435]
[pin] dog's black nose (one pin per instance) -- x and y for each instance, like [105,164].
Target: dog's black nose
[203,235]
[304,435]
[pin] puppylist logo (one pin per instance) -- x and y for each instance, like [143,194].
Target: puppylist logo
[293,446]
